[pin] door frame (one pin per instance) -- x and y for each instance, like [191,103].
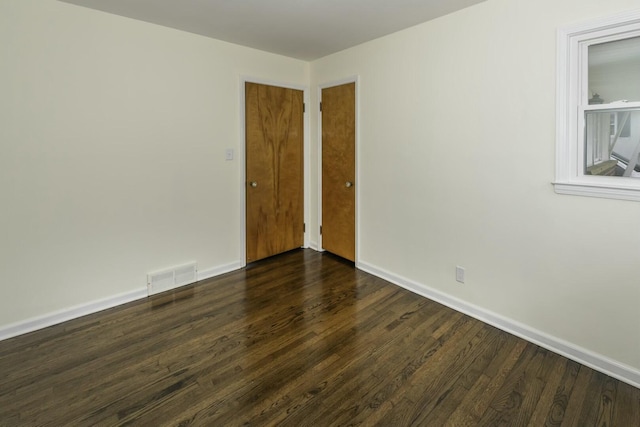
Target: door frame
[352,79]
[242,155]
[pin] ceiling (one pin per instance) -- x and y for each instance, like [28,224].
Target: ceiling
[303,29]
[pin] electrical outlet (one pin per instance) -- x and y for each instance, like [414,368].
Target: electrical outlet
[228,154]
[459,274]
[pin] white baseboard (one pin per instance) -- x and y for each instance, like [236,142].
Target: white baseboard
[41,322]
[571,351]
[314,246]
[217,271]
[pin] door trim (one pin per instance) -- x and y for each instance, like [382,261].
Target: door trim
[241,156]
[352,79]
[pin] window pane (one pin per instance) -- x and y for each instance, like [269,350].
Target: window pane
[614,70]
[612,142]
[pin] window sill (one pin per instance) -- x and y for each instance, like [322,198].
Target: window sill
[595,190]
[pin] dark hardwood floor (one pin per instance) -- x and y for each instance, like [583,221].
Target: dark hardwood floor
[301,339]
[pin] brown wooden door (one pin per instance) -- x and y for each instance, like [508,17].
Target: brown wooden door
[274,170]
[338,170]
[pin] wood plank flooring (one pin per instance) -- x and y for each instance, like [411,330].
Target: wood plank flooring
[301,339]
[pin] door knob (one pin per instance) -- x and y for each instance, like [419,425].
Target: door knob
[349,184]
[253,184]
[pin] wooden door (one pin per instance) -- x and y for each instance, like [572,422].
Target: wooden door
[274,170]
[338,170]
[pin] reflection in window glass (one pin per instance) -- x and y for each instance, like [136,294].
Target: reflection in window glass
[614,70]
[612,142]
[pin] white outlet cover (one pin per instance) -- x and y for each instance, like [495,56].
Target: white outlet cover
[228,154]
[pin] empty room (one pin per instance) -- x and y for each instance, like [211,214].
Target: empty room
[320,213]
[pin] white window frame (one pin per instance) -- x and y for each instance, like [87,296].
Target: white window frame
[572,102]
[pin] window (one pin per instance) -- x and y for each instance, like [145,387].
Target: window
[598,112]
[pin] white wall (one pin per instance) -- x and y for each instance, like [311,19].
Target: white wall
[457,156]
[112,141]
